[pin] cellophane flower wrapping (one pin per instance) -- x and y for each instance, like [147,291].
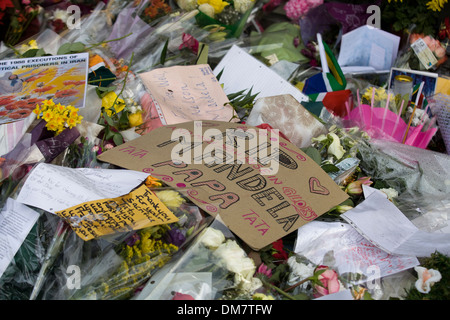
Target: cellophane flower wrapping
[213,267]
[115,267]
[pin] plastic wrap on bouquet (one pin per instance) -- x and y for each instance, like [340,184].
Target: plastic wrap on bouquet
[123,262]
[92,29]
[128,22]
[417,174]
[440,106]
[383,115]
[213,267]
[231,17]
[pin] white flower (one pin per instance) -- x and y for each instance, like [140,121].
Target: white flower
[187,5]
[207,9]
[335,147]
[212,238]
[242,5]
[60,14]
[299,271]
[390,192]
[234,259]
[427,277]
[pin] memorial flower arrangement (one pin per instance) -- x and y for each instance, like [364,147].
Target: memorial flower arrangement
[145,251]
[57,117]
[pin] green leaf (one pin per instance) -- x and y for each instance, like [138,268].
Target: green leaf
[30,53]
[108,119]
[329,168]
[162,60]
[40,53]
[77,47]
[118,139]
[64,49]
[313,153]
[202,56]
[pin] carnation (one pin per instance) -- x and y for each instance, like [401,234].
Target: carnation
[170,198]
[297,8]
[212,238]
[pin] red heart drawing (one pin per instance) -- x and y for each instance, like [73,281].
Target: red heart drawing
[316,187]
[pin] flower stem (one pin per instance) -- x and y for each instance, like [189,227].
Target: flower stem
[297,284]
[271,286]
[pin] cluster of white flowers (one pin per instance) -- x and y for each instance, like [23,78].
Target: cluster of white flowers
[299,271]
[232,257]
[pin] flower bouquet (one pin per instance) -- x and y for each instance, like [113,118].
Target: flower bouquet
[384,115]
[130,259]
[213,267]
[230,16]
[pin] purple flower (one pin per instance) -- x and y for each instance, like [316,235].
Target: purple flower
[131,240]
[175,236]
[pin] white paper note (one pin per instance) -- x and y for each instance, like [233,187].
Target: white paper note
[53,188]
[383,224]
[16,221]
[241,71]
[351,251]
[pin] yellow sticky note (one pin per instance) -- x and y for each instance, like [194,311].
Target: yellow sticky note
[139,209]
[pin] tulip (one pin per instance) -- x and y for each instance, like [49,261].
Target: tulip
[355,188]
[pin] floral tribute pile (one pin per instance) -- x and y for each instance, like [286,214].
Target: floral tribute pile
[198,257]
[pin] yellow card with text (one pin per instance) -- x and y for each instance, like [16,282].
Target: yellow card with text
[136,210]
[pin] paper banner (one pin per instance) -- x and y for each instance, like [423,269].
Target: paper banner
[260,204]
[139,209]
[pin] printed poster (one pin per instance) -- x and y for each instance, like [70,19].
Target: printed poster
[29,81]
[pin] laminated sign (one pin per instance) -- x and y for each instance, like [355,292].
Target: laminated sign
[262,186]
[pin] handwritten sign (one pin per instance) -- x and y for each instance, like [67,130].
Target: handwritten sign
[139,209]
[256,203]
[185,93]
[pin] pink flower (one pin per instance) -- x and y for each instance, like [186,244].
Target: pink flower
[264,270]
[189,42]
[298,8]
[26,2]
[182,296]
[355,188]
[329,280]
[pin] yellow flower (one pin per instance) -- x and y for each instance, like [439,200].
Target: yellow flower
[108,103]
[152,182]
[218,5]
[47,115]
[170,198]
[32,44]
[436,5]
[135,119]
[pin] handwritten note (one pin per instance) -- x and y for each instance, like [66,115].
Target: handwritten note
[16,221]
[139,209]
[185,93]
[384,225]
[351,251]
[53,188]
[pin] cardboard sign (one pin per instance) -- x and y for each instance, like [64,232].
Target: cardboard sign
[139,209]
[271,193]
[185,93]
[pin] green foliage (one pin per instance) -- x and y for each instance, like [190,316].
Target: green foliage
[401,16]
